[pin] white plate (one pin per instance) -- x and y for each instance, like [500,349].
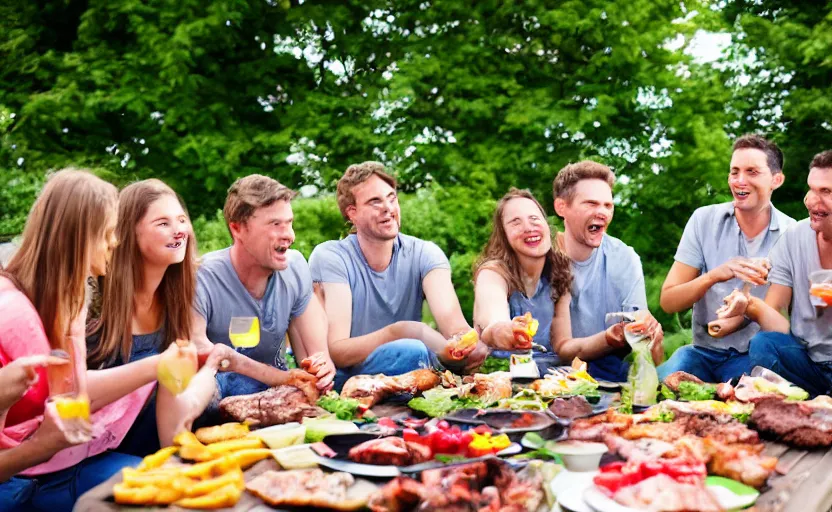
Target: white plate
[727,499]
[569,488]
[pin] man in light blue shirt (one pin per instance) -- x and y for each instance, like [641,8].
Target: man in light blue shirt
[713,259]
[798,348]
[373,282]
[607,276]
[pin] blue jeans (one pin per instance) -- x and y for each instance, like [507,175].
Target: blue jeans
[611,368]
[787,356]
[58,491]
[394,358]
[707,364]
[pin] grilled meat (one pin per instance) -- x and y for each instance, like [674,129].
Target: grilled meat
[275,406]
[741,462]
[372,389]
[480,486]
[490,387]
[390,451]
[571,407]
[674,379]
[307,488]
[595,428]
[802,424]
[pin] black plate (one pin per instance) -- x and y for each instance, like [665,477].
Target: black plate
[501,420]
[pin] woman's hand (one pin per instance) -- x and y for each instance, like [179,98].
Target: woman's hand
[55,433]
[21,374]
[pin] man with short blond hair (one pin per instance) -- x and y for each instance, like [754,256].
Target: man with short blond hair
[607,275]
[373,283]
[260,277]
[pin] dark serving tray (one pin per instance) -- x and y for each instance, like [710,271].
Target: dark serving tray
[503,421]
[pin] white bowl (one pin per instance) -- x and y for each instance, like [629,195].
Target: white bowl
[580,456]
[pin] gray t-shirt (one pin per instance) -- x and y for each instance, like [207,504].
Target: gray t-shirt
[712,237]
[609,281]
[378,298]
[794,258]
[220,295]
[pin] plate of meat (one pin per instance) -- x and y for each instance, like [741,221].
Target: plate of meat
[380,458]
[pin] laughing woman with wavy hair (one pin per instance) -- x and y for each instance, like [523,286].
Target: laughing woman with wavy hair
[519,271]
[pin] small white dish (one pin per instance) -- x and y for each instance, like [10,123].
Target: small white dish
[569,487]
[579,456]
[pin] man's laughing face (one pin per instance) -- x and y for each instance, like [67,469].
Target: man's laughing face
[819,201]
[268,234]
[589,212]
[751,180]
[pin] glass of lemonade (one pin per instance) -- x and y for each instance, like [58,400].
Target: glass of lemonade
[244,332]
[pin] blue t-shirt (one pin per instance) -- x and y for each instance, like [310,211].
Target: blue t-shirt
[609,281]
[378,298]
[220,295]
[540,306]
[712,237]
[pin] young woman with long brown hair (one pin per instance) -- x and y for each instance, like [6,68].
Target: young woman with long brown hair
[68,237]
[146,299]
[519,271]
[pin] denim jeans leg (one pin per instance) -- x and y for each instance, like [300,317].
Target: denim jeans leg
[394,358]
[786,356]
[694,360]
[16,494]
[735,365]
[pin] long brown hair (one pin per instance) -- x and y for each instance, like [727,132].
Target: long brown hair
[175,293]
[501,258]
[64,229]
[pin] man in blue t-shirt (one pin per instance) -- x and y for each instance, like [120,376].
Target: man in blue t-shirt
[373,282]
[607,276]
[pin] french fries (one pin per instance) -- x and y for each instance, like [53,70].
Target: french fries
[216,481]
[226,432]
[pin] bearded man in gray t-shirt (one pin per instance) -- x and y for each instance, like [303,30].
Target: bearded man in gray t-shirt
[373,282]
[798,348]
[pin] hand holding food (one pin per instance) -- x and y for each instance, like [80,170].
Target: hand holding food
[524,328]
[177,366]
[462,344]
[735,304]
[754,271]
[321,366]
[57,433]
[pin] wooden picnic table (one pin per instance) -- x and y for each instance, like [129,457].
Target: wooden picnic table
[802,481]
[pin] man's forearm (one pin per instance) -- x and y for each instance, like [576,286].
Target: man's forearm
[351,351]
[586,349]
[682,297]
[769,318]
[264,373]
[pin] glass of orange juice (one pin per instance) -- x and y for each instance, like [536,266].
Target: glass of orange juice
[244,332]
[821,287]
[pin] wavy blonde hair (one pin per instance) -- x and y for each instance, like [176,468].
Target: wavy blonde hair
[65,226]
[501,258]
[175,293]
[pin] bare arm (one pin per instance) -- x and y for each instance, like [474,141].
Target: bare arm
[683,287]
[769,313]
[587,349]
[346,351]
[443,302]
[308,335]
[491,310]
[107,386]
